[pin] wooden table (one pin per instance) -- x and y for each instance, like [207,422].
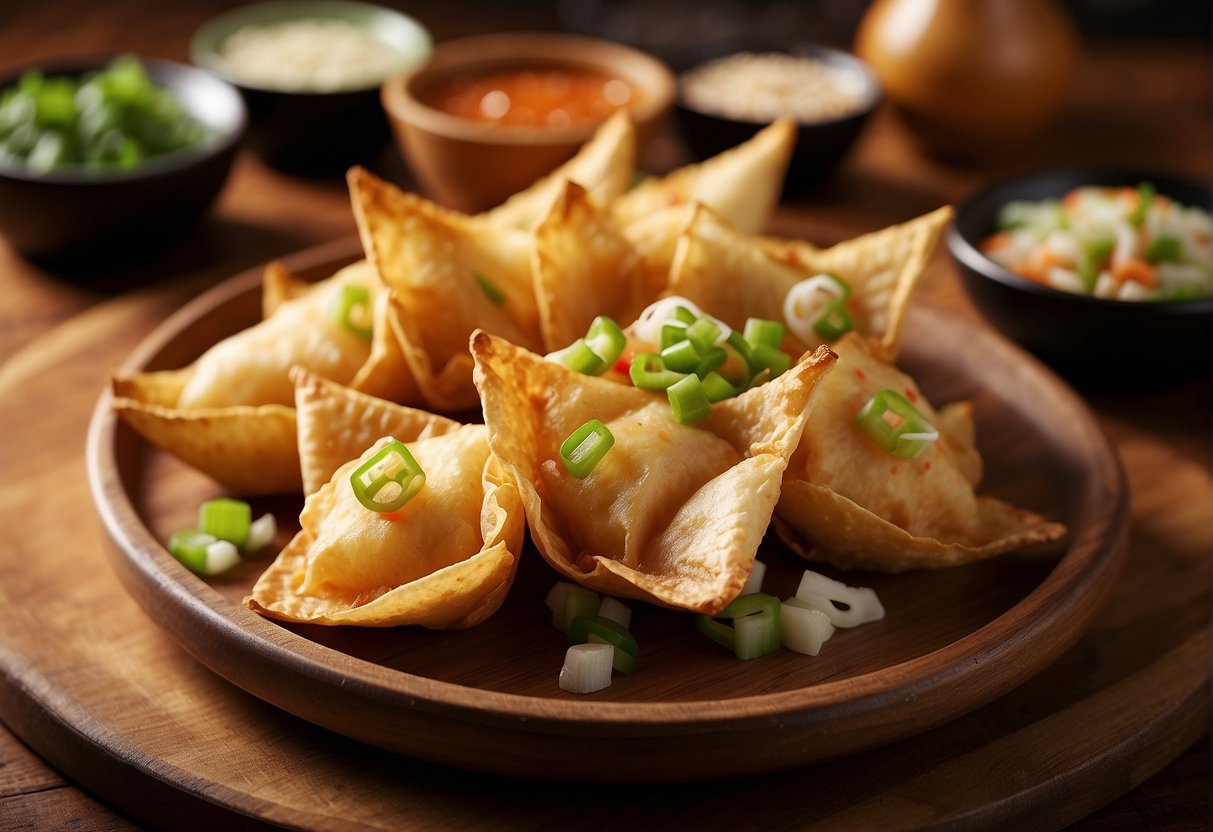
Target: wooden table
[1134,104]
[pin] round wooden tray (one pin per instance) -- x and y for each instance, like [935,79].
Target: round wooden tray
[487,698]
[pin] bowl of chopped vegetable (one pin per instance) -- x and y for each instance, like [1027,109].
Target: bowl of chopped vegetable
[310,72]
[1107,275]
[829,93]
[111,157]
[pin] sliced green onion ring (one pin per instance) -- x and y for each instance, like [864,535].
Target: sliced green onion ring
[688,400]
[682,357]
[761,331]
[189,547]
[578,357]
[598,629]
[389,479]
[895,425]
[586,447]
[717,388]
[771,358]
[648,372]
[226,519]
[753,629]
[834,323]
[672,332]
[711,359]
[352,311]
[703,333]
[606,339]
[811,299]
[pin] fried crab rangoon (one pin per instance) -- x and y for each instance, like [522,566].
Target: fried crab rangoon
[848,502]
[674,513]
[741,276]
[444,560]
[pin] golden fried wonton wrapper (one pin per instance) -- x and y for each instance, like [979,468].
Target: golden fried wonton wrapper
[673,514]
[336,423]
[848,502]
[249,450]
[735,276]
[741,184]
[603,167]
[445,560]
[437,262]
[585,267]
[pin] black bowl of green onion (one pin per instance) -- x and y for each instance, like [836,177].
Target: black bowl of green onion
[113,157]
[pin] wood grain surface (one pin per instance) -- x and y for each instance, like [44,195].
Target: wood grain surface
[1066,739]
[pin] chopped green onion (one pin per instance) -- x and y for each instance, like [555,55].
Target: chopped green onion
[711,359]
[755,627]
[1164,249]
[672,332]
[758,571]
[648,372]
[261,533]
[602,630]
[606,339]
[834,323]
[740,373]
[717,388]
[812,299]
[682,357]
[771,358]
[895,425]
[352,311]
[846,606]
[389,479]
[685,315]
[760,378]
[1145,198]
[489,288]
[703,334]
[615,610]
[220,557]
[586,447]
[762,331]
[803,629]
[567,601]
[587,668]
[688,399]
[189,547]
[578,357]
[226,519]
[1090,261]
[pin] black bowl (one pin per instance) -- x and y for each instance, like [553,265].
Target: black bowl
[820,145]
[1094,342]
[94,218]
[314,132]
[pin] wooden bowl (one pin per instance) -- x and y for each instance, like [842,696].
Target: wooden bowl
[471,165]
[487,698]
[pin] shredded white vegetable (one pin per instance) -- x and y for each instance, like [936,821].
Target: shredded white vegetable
[846,606]
[587,668]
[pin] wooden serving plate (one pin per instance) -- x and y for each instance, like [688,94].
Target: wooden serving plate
[486,699]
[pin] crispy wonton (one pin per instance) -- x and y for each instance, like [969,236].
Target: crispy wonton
[736,276]
[674,513]
[848,502]
[445,560]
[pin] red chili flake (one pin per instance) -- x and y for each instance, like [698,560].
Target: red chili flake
[624,365]
[911,395]
[926,466]
[859,374]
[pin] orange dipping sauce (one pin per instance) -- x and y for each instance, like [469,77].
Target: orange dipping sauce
[555,97]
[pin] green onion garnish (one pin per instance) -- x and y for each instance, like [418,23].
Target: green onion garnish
[389,479]
[226,519]
[822,296]
[648,372]
[703,334]
[352,311]
[681,357]
[606,339]
[1164,249]
[711,359]
[567,601]
[672,332]
[1145,198]
[688,399]
[686,316]
[761,331]
[895,425]
[771,358]
[586,447]
[490,290]
[718,388]
[754,628]
[189,547]
[597,629]
[834,323]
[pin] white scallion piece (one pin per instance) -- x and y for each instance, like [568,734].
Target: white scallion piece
[647,327]
[616,610]
[220,557]
[261,533]
[806,303]
[567,601]
[804,629]
[587,668]
[846,606]
[754,582]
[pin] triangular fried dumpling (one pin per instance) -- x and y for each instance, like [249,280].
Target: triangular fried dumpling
[585,267]
[448,277]
[280,284]
[848,502]
[249,450]
[741,184]
[445,560]
[736,276]
[674,513]
[603,167]
[336,423]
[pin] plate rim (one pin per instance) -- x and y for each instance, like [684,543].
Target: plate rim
[172,595]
